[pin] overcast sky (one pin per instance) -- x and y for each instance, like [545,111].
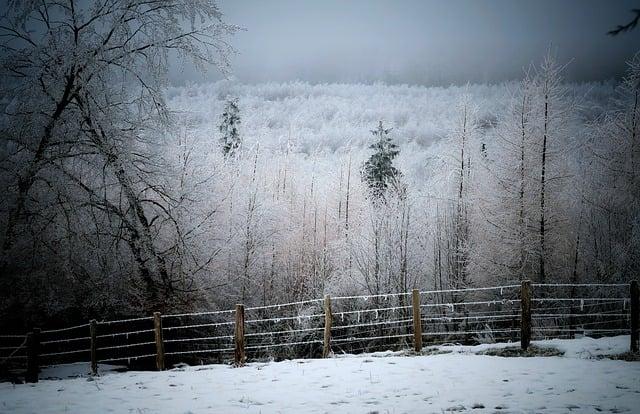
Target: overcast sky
[430,42]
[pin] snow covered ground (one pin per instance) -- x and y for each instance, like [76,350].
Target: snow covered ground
[459,380]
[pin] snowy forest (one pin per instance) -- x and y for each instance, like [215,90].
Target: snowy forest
[123,194]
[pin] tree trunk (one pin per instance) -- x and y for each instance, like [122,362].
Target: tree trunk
[521,225]
[150,263]
[28,178]
[542,190]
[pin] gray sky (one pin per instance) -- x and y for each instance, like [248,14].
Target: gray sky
[430,42]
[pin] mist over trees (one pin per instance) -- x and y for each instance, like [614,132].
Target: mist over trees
[125,196]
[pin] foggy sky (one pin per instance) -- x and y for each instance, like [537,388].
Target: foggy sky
[435,42]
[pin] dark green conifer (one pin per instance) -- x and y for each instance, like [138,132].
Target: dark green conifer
[230,139]
[378,171]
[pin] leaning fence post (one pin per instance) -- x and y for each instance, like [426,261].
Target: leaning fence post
[328,319]
[239,336]
[93,327]
[417,321]
[635,310]
[33,351]
[157,326]
[525,319]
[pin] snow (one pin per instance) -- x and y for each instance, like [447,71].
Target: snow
[589,347]
[584,347]
[75,370]
[382,382]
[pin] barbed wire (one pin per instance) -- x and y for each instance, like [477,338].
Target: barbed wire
[179,315]
[104,348]
[203,338]
[49,331]
[426,292]
[581,284]
[142,318]
[199,325]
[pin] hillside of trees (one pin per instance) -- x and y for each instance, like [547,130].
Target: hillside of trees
[119,203]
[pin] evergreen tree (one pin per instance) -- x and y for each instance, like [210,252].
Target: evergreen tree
[230,138]
[378,171]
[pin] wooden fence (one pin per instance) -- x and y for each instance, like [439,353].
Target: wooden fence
[320,327]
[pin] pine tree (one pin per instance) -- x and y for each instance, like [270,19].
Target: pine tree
[230,138]
[378,171]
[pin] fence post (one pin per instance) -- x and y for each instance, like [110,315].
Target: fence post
[525,319]
[635,311]
[33,351]
[93,327]
[157,326]
[328,320]
[239,356]
[417,321]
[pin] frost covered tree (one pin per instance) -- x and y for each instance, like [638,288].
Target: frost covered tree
[452,186]
[509,250]
[465,135]
[378,244]
[533,175]
[230,139]
[615,203]
[378,171]
[89,127]
[554,110]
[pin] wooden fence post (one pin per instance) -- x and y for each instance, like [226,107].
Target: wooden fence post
[525,317]
[157,326]
[238,336]
[635,311]
[93,327]
[417,321]
[33,352]
[328,320]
